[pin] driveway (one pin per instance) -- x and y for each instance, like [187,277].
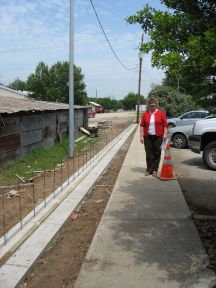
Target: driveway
[197,182]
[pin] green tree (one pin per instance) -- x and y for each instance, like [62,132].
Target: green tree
[174,103]
[17,84]
[182,41]
[80,95]
[130,101]
[39,82]
[52,84]
[59,80]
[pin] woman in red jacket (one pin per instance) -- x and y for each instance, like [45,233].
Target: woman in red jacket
[153,129]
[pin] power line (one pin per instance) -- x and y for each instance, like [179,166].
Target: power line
[108,39]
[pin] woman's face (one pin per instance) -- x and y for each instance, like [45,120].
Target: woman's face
[152,106]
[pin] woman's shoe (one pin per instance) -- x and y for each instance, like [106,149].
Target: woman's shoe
[154,173]
[147,173]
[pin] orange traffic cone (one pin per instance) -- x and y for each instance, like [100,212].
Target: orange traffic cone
[167,167]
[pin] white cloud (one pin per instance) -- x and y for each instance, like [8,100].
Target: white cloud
[33,31]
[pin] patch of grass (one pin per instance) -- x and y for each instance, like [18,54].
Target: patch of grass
[40,159]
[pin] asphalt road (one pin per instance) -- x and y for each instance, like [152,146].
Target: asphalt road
[197,182]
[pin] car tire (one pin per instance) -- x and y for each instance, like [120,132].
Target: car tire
[171,125]
[179,141]
[209,155]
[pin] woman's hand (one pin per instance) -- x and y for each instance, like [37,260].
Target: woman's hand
[141,134]
[165,133]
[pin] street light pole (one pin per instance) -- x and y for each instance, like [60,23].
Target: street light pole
[139,83]
[71,82]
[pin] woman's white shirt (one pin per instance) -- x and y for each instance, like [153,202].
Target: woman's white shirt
[151,130]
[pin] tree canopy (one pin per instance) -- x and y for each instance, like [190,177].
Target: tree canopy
[18,84]
[52,84]
[129,102]
[171,101]
[182,41]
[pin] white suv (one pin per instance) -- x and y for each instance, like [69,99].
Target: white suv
[203,138]
[187,118]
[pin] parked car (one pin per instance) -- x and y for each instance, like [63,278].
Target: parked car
[178,136]
[91,113]
[203,139]
[188,118]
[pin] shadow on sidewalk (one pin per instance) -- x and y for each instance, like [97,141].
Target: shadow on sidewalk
[168,246]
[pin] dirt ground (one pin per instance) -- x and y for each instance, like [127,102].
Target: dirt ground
[60,264]
[15,208]
[29,195]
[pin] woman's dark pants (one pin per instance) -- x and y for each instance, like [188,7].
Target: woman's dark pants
[152,145]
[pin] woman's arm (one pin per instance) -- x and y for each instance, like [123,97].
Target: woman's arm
[164,124]
[165,132]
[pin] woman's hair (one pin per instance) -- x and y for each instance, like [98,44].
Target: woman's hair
[152,100]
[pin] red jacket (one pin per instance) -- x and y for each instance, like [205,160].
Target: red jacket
[160,122]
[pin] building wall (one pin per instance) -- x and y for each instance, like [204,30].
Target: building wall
[20,133]
[9,138]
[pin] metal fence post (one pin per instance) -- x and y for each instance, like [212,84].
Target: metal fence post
[20,212]
[3,217]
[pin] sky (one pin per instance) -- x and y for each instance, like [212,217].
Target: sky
[38,30]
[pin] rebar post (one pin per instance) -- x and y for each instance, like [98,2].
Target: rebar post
[78,161]
[20,212]
[44,182]
[54,178]
[3,218]
[86,153]
[33,196]
[73,163]
[90,150]
[61,175]
[68,162]
[83,155]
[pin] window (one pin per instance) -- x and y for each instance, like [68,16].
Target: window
[187,115]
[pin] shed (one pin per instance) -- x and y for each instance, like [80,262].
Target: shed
[26,124]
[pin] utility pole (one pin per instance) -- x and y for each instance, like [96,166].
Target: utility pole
[139,83]
[71,82]
[96,93]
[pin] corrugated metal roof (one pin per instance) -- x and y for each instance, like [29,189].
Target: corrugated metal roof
[11,105]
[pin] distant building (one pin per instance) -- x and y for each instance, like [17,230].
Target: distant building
[96,107]
[142,108]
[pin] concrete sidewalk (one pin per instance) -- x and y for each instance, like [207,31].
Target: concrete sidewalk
[146,237]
